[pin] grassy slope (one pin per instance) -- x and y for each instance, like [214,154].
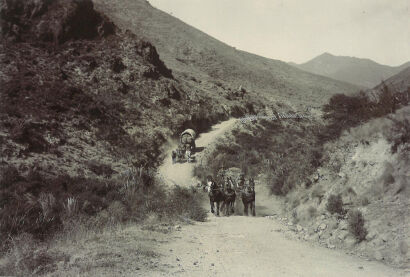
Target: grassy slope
[188,50]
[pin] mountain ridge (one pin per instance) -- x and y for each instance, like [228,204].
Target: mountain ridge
[186,49]
[363,72]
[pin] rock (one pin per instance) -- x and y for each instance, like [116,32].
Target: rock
[378,256]
[212,264]
[290,223]
[384,237]
[196,262]
[322,217]
[371,235]
[178,227]
[343,225]
[314,237]
[177,260]
[331,246]
[342,235]
[299,228]
[324,235]
[306,237]
[333,224]
[350,242]
[322,226]
[378,242]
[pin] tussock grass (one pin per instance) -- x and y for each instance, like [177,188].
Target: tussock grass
[335,204]
[26,208]
[356,225]
[81,208]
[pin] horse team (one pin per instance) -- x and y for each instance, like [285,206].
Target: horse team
[225,195]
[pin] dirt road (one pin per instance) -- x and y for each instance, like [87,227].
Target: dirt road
[182,173]
[248,246]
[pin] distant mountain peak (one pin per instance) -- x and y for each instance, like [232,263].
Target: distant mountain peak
[326,54]
[358,71]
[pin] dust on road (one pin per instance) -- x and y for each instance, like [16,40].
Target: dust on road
[182,173]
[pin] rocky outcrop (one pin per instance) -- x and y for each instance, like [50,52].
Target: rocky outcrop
[150,54]
[52,20]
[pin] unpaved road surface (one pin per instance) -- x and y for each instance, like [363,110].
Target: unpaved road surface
[246,246]
[182,173]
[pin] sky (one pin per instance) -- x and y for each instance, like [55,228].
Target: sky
[299,30]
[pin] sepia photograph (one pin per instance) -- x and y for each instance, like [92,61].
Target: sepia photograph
[202,138]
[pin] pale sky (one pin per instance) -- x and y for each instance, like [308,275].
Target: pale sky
[298,30]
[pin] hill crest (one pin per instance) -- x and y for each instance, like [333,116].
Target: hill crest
[359,71]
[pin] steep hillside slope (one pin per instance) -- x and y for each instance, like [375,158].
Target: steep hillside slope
[188,50]
[361,72]
[359,197]
[399,82]
[84,106]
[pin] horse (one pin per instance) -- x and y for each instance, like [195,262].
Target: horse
[216,195]
[248,199]
[229,201]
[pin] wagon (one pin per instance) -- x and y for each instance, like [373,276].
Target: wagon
[186,147]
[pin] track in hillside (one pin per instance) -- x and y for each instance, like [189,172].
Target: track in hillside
[182,173]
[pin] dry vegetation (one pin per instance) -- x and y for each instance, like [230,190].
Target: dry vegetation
[85,113]
[80,106]
[348,173]
[74,206]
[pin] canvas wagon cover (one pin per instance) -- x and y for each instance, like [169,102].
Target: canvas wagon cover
[190,132]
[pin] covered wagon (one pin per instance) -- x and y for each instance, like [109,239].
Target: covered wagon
[186,147]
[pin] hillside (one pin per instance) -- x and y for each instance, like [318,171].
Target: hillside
[361,72]
[93,96]
[187,50]
[84,104]
[350,189]
[399,82]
